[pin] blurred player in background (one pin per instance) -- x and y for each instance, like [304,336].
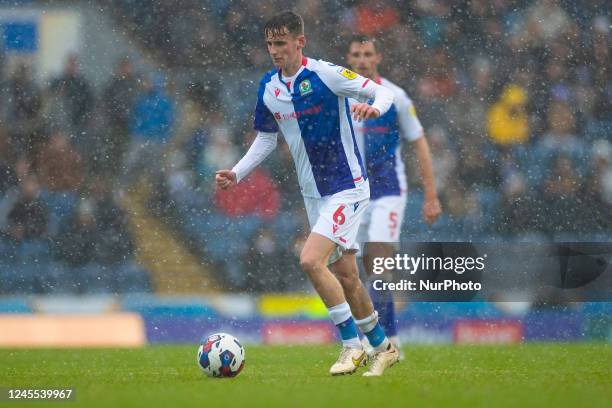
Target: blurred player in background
[307,100]
[379,139]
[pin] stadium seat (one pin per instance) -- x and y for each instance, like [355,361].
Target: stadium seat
[54,278]
[20,278]
[33,251]
[130,278]
[598,129]
[489,199]
[413,221]
[61,206]
[90,278]
[286,228]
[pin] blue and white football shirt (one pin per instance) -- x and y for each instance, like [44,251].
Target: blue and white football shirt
[312,111]
[380,141]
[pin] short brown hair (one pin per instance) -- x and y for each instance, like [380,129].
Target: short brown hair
[362,38]
[288,20]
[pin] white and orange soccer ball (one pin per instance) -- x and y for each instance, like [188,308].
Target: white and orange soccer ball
[221,355]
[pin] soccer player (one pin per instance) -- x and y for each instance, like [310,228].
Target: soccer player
[379,139]
[307,100]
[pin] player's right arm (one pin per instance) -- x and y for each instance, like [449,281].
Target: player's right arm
[263,145]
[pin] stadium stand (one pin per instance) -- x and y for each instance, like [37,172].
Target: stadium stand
[515,96]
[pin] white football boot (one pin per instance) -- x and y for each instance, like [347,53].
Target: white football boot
[381,361]
[349,361]
[371,352]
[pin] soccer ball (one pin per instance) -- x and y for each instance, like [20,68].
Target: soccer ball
[221,355]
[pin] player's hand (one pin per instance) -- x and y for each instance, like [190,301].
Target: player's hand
[431,210]
[225,179]
[363,111]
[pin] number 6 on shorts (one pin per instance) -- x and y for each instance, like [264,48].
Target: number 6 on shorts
[339,216]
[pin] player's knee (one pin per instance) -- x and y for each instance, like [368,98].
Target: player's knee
[309,263]
[348,279]
[346,282]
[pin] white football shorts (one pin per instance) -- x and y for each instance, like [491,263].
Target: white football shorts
[382,222]
[338,217]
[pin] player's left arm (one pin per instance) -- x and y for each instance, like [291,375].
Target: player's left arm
[431,206]
[383,99]
[412,130]
[344,82]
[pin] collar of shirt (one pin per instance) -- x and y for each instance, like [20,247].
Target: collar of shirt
[290,80]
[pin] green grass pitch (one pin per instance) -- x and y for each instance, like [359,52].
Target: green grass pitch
[555,375]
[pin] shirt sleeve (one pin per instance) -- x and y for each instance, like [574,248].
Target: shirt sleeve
[409,123]
[261,148]
[264,120]
[344,82]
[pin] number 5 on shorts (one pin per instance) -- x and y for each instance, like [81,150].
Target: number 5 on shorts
[393,223]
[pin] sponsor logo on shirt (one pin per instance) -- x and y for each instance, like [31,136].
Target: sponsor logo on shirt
[347,73]
[376,129]
[313,110]
[412,111]
[276,92]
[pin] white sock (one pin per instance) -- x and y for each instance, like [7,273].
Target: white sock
[340,314]
[353,343]
[374,332]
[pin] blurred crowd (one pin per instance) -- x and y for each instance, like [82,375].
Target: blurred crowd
[62,229]
[515,98]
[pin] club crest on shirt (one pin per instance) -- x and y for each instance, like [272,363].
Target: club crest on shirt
[305,87]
